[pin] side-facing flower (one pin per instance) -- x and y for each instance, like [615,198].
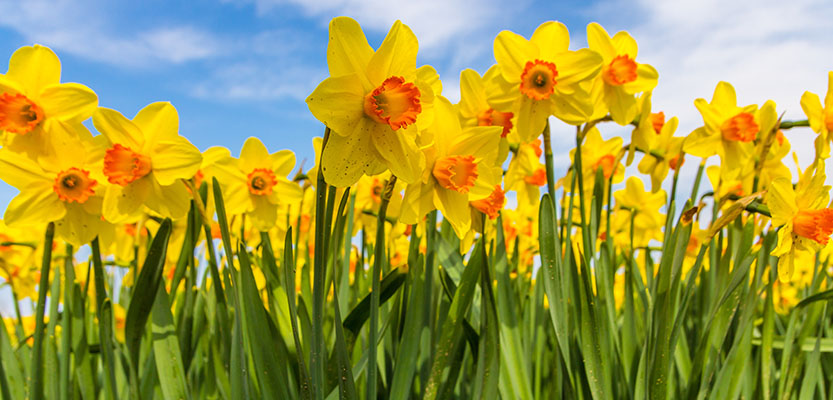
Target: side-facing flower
[542,77]
[145,161]
[33,100]
[621,77]
[475,109]
[820,116]
[256,184]
[803,214]
[666,154]
[372,102]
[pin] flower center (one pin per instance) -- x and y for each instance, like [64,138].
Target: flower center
[74,185]
[828,119]
[394,102]
[492,117]
[658,121]
[538,178]
[814,224]
[456,172]
[620,71]
[607,164]
[779,136]
[741,128]
[18,114]
[538,79]
[261,181]
[491,205]
[123,165]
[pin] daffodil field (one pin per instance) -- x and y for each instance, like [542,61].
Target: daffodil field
[394,268]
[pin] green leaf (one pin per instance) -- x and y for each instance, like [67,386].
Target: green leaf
[166,350]
[488,355]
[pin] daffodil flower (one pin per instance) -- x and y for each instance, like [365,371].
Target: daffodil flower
[256,184]
[145,161]
[460,167]
[542,77]
[820,117]
[33,101]
[596,154]
[634,203]
[728,130]
[803,214]
[65,188]
[372,102]
[621,77]
[475,109]
[666,153]
[526,174]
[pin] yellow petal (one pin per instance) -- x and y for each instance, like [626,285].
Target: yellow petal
[117,128]
[78,227]
[346,158]
[786,266]
[455,208]
[622,105]
[395,57]
[68,101]
[399,152]
[123,204]
[472,94]
[429,76]
[283,162]
[34,68]
[417,201]
[348,51]
[724,96]
[172,201]
[811,104]
[576,66]
[36,205]
[338,102]
[482,142]
[646,79]
[702,144]
[265,214]
[254,155]
[512,52]
[532,117]
[21,172]
[599,40]
[158,121]
[552,38]
[624,44]
[828,98]
[175,159]
[781,201]
[573,109]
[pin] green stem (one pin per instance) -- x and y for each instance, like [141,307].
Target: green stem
[66,324]
[105,321]
[379,254]
[793,124]
[36,380]
[697,180]
[549,161]
[317,358]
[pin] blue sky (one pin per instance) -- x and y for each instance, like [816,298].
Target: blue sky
[240,68]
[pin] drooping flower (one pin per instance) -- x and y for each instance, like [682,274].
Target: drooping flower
[372,102]
[635,205]
[803,214]
[256,184]
[621,77]
[666,154]
[33,101]
[542,77]
[820,116]
[526,173]
[145,163]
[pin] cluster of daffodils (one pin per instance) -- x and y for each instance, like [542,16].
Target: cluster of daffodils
[391,132]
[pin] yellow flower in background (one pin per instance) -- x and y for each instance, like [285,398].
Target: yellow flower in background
[598,154]
[542,77]
[372,102]
[460,167]
[33,100]
[475,109]
[621,77]
[820,117]
[145,161]
[526,173]
[803,214]
[256,184]
[666,154]
[65,188]
[633,202]
[728,130]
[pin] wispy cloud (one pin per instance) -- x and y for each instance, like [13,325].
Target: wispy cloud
[87,29]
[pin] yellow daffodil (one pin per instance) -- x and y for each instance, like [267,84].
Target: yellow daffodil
[728,131]
[820,117]
[542,77]
[803,214]
[372,102]
[66,188]
[526,173]
[145,163]
[635,204]
[33,100]
[475,109]
[666,153]
[621,77]
[256,184]
[598,154]
[460,167]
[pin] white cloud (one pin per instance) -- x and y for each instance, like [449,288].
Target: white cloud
[260,81]
[85,28]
